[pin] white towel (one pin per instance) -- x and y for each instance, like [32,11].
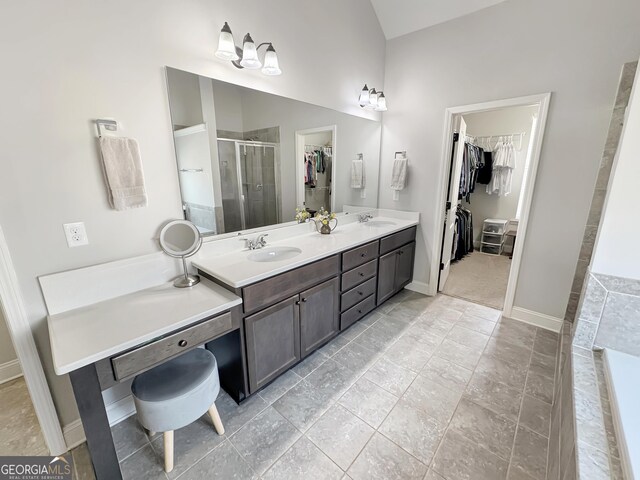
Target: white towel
[399,174]
[358,177]
[123,172]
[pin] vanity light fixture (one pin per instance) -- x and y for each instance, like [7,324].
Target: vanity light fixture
[247,56]
[370,98]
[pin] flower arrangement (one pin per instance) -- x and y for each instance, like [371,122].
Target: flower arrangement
[302,215]
[323,220]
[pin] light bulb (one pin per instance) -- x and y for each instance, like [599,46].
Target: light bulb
[226,45]
[363,100]
[250,58]
[271,66]
[373,98]
[382,103]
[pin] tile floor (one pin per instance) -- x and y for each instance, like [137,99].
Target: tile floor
[422,388]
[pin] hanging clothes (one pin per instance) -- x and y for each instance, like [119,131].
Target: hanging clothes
[486,171]
[310,175]
[504,161]
[463,234]
[472,162]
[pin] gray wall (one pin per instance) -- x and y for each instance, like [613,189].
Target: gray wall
[66,62]
[574,49]
[7,354]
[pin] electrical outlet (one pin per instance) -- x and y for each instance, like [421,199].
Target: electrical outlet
[76,234]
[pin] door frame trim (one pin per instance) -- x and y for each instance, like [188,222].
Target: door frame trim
[15,314]
[299,149]
[542,100]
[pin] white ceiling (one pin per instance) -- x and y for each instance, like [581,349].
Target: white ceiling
[399,17]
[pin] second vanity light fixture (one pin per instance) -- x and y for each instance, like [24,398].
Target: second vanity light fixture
[247,57]
[372,99]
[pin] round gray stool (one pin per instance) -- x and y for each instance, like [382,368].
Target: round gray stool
[177,393]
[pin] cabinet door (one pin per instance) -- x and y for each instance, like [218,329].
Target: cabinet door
[273,341]
[404,267]
[318,315]
[387,276]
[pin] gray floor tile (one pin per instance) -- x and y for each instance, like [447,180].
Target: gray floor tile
[409,353]
[500,398]
[488,429]
[332,379]
[377,338]
[190,444]
[335,345]
[82,463]
[482,311]
[477,324]
[340,435]
[391,377]
[508,352]
[535,415]
[428,340]
[542,364]
[539,387]
[356,357]
[303,405]
[432,325]
[263,440]
[304,460]
[459,354]
[515,332]
[436,400]
[511,374]
[545,345]
[353,331]
[279,386]
[444,313]
[412,429]
[373,317]
[446,373]
[145,464]
[368,401]
[460,458]
[404,313]
[432,475]
[530,453]
[235,416]
[468,338]
[223,463]
[128,437]
[383,460]
[310,363]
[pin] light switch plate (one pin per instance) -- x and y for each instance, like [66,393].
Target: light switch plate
[76,234]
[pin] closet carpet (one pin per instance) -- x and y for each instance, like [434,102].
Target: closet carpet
[479,278]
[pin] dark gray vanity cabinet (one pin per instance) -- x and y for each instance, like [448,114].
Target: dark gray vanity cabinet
[273,341]
[395,270]
[358,283]
[318,315]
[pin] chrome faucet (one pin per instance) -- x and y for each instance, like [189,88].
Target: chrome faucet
[256,243]
[364,217]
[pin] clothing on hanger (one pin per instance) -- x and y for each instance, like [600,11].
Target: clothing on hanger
[504,161]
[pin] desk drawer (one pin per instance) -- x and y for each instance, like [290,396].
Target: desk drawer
[158,351]
[356,294]
[396,240]
[358,256]
[358,275]
[356,312]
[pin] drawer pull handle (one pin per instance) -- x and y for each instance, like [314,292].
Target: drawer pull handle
[304,299]
[182,343]
[359,311]
[362,274]
[298,302]
[364,254]
[360,293]
[400,252]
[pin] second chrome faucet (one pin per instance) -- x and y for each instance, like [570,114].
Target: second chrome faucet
[256,243]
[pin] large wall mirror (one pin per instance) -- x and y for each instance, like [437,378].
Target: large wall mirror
[247,159]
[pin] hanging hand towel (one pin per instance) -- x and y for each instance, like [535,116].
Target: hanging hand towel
[398,176]
[358,178]
[123,172]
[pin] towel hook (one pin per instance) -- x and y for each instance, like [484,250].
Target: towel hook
[110,125]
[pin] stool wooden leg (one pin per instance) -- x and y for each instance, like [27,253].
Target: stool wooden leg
[168,451]
[215,418]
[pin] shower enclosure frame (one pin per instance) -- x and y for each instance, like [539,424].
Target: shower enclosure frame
[276,167]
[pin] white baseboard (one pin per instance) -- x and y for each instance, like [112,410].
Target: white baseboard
[535,318]
[10,371]
[116,412]
[419,287]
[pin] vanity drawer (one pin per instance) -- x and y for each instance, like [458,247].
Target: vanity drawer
[397,240]
[267,292]
[151,354]
[356,312]
[356,294]
[360,255]
[358,275]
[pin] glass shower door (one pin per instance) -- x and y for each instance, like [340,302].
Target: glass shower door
[257,164]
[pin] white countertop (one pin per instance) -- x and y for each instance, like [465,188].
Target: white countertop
[85,335]
[235,270]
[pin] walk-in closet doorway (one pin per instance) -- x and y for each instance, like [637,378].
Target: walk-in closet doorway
[480,251]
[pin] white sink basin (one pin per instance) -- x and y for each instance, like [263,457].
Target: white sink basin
[274,254]
[378,223]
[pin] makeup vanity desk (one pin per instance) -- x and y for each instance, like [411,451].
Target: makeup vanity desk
[108,342]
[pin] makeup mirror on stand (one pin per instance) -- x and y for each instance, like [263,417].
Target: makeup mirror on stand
[181,239]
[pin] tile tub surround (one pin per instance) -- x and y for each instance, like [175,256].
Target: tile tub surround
[420,411]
